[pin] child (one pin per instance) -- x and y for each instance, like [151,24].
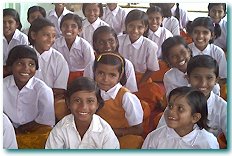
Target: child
[186,118]
[115,16]
[122,110]
[11,31]
[33,13]
[77,51]
[203,33]
[55,15]
[53,68]
[105,40]
[217,12]
[82,129]
[156,32]
[92,12]
[27,101]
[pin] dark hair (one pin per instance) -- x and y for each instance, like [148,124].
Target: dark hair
[202,61]
[36,26]
[84,84]
[211,5]
[20,52]
[136,15]
[177,11]
[171,42]
[166,9]
[14,14]
[154,9]
[34,9]
[99,31]
[84,5]
[207,23]
[196,100]
[112,59]
[74,17]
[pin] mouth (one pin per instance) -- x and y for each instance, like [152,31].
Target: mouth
[202,89]
[171,118]
[83,113]
[24,74]
[68,34]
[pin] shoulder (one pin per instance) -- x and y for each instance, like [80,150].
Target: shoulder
[40,85]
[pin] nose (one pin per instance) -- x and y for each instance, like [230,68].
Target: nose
[203,82]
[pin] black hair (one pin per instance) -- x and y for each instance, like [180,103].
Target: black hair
[36,26]
[202,61]
[34,9]
[211,5]
[84,5]
[196,100]
[84,84]
[165,8]
[13,13]
[20,52]
[74,17]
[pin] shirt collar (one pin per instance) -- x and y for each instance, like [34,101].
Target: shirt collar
[210,100]
[45,55]
[137,44]
[114,12]
[94,24]
[28,84]
[196,51]
[156,33]
[76,43]
[111,93]
[16,34]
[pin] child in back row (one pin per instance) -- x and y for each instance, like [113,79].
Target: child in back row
[82,129]
[186,119]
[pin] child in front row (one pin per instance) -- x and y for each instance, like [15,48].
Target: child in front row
[122,109]
[186,118]
[82,129]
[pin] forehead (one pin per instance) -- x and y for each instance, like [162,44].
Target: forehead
[84,93]
[218,7]
[105,36]
[203,71]
[136,22]
[200,28]
[179,100]
[8,17]
[107,68]
[154,14]
[178,48]
[92,6]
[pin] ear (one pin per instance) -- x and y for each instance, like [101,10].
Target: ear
[187,77]
[212,36]
[80,30]
[196,117]
[33,35]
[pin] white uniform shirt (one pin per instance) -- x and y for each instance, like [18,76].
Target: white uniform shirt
[167,138]
[52,16]
[65,135]
[142,53]
[172,24]
[216,53]
[9,138]
[80,54]
[18,38]
[53,69]
[88,29]
[159,37]
[34,102]
[183,16]
[221,40]
[115,18]
[131,83]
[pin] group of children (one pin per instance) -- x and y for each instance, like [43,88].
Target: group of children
[108,109]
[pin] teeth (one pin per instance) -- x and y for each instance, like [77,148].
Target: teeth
[202,89]
[182,63]
[24,74]
[69,33]
[83,113]
[172,118]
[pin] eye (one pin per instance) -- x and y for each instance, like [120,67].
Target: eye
[180,109]
[170,106]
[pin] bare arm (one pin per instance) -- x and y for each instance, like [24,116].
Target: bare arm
[133,130]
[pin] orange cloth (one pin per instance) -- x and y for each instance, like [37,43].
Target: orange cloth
[186,36]
[222,141]
[146,117]
[223,91]
[158,76]
[61,109]
[74,75]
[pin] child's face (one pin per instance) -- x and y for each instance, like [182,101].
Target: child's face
[135,29]
[92,12]
[106,42]
[9,26]
[112,6]
[179,57]
[155,20]
[83,104]
[107,76]
[201,37]
[203,79]
[70,29]
[23,69]
[34,16]
[217,13]
[178,115]
[44,38]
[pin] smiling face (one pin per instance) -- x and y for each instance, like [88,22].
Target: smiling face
[135,29]
[155,20]
[92,12]
[70,29]
[9,26]
[217,13]
[34,16]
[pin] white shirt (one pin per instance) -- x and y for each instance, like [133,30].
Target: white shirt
[34,102]
[88,29]
[183,16]
[142,53]
[9,138]
[53,69]
[221,40]
[159,37]
[65,135]
[52,16]
[172,24]
[131,83]
[80,54]
[115,18]
[18,38]
[215,52]
[166,138]
[130,103]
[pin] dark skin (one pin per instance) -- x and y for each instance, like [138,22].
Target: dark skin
[133,130]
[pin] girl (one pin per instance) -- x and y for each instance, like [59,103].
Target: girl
[203,33]
[92,12]
[53,68]
[122,110]
[105,40]
[33,13]
[82,129]
[186,118]
[115,16]
[156,32]
[77,51]
[217,12]
[11,31]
